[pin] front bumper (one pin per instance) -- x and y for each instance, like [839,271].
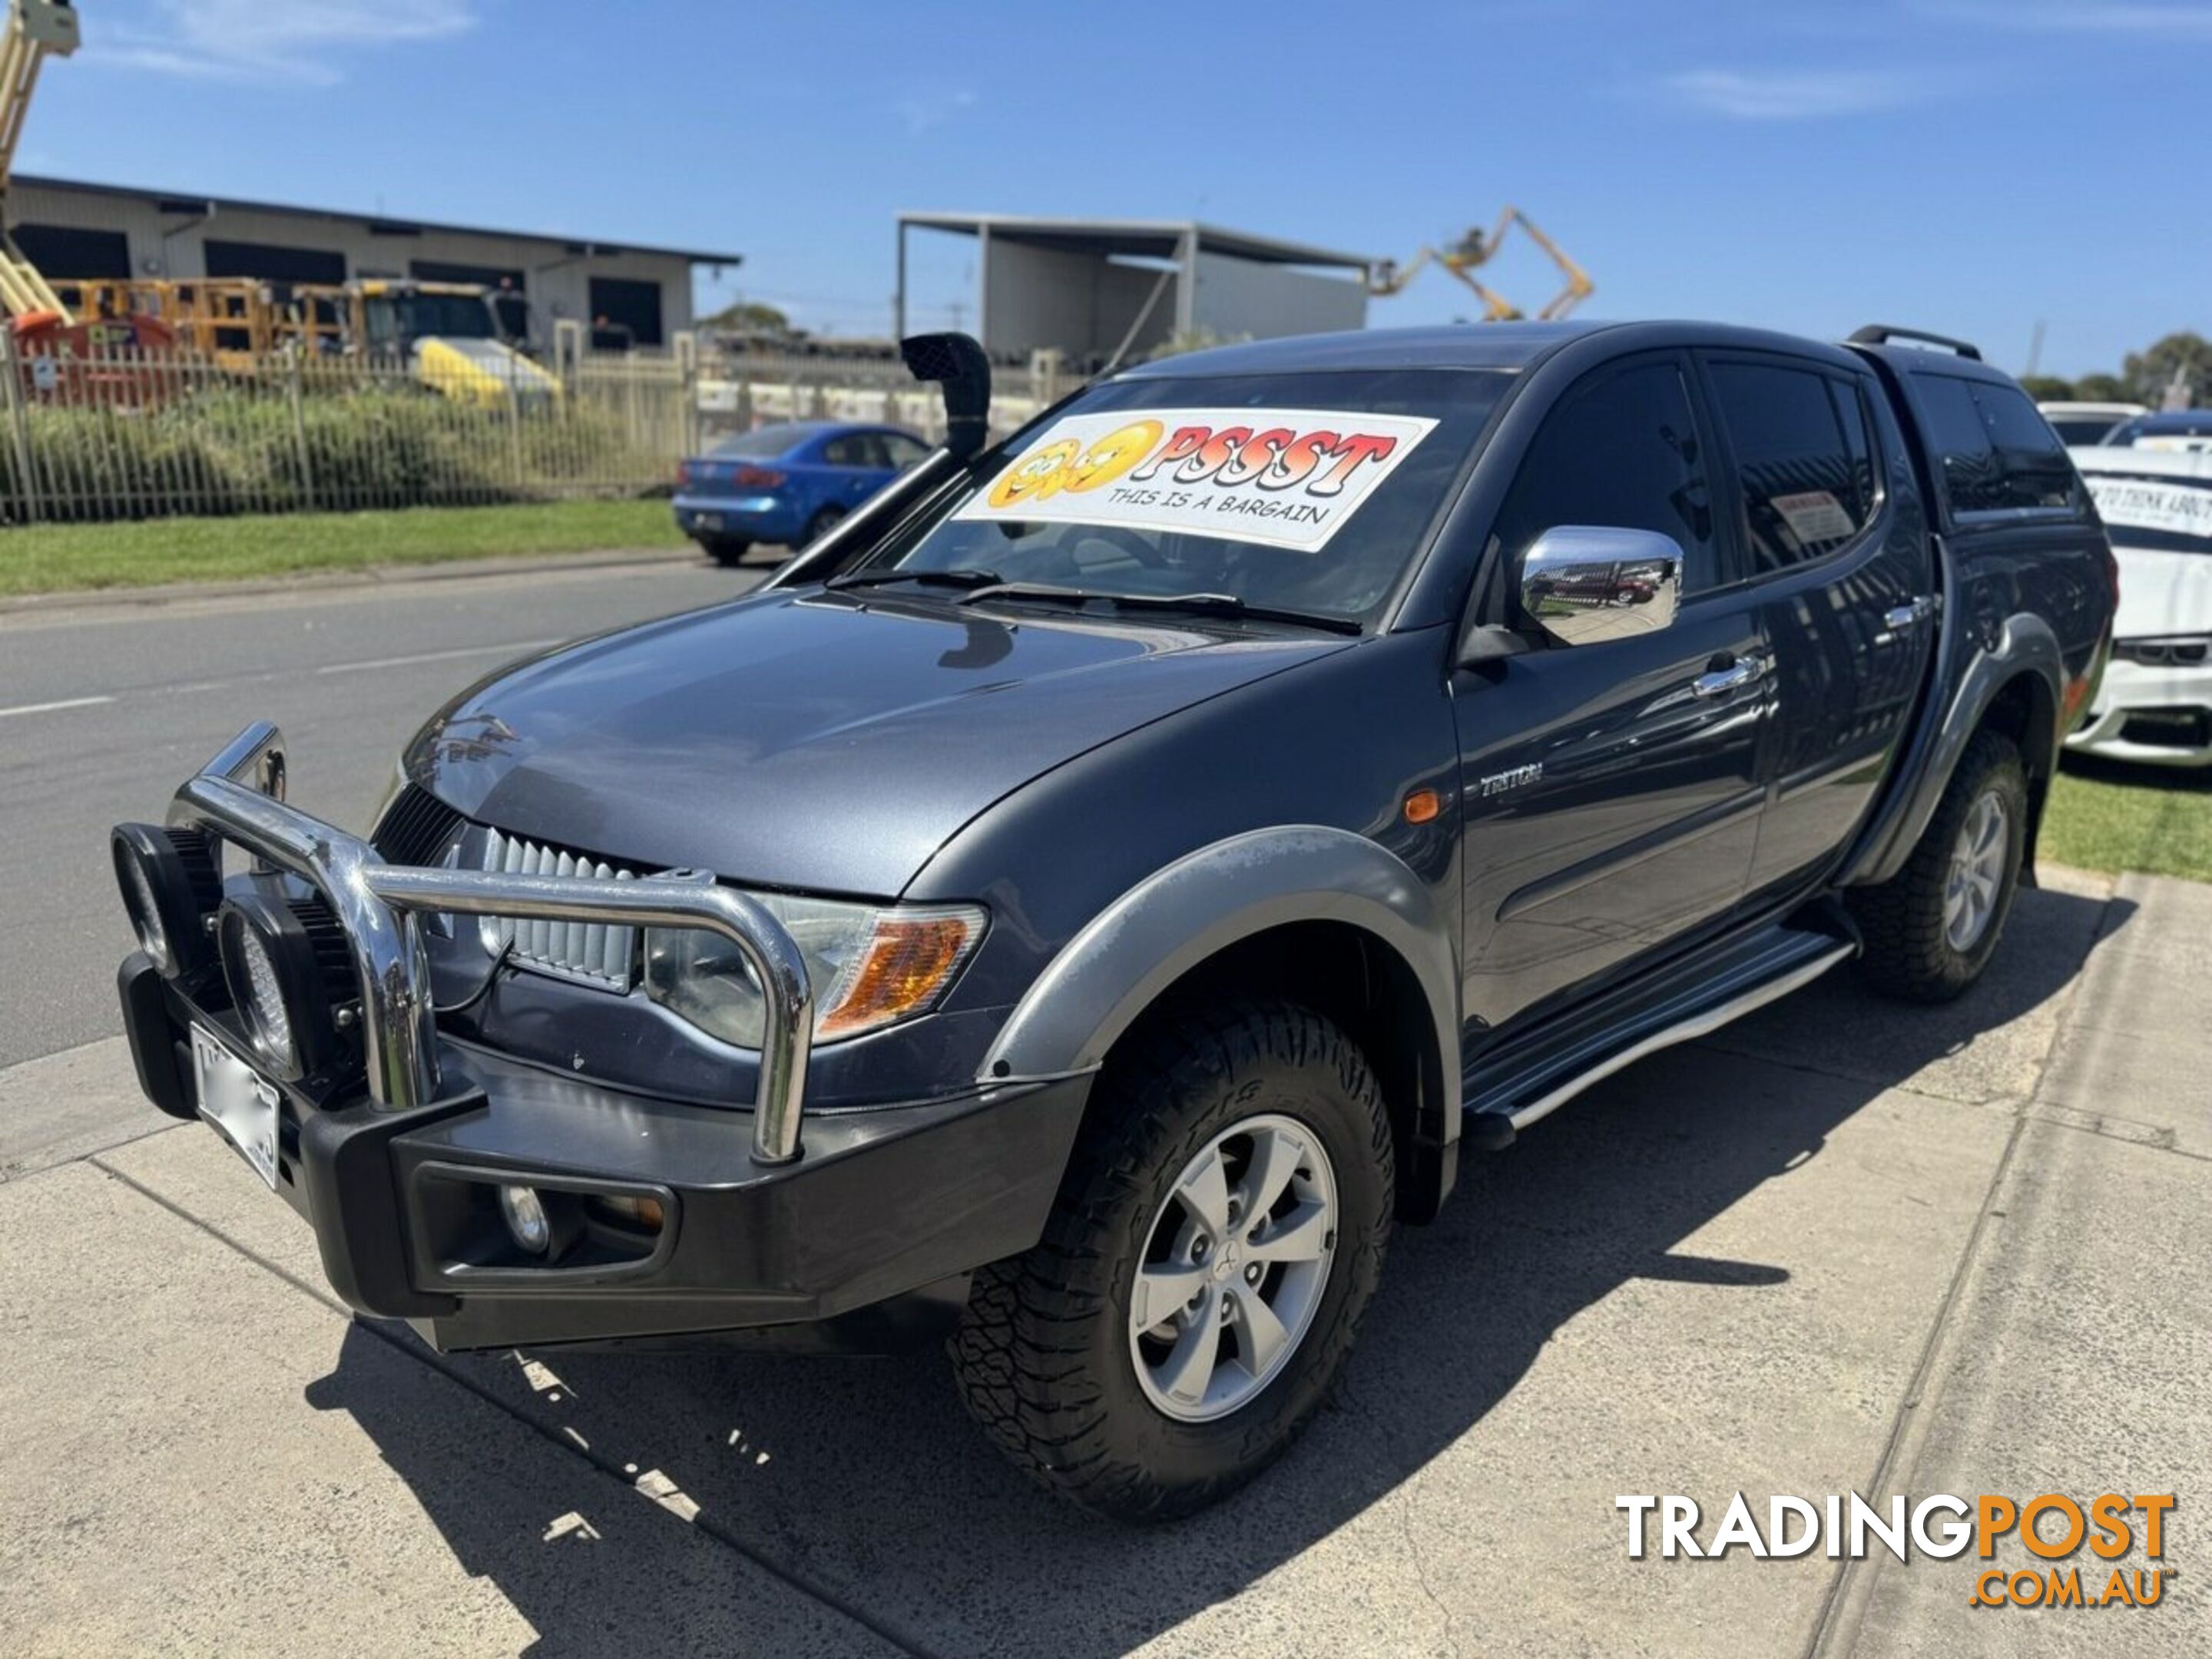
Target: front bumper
[399,1171]
[863,1242]
[2154,716]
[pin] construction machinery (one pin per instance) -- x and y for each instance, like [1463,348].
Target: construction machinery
[1475,248]
[463,340]
[36,30]
[43,327]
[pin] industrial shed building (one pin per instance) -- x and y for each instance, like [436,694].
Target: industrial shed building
[627,294]
[1094,290]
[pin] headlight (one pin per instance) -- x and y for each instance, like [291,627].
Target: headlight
[870,965]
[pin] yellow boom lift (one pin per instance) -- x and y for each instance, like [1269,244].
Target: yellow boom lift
[36,30]
[1473,249]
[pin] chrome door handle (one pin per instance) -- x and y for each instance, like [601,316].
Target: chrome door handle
[1908,616]
[1719,682]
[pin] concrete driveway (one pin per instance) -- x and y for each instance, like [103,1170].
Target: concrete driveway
[1842,1246]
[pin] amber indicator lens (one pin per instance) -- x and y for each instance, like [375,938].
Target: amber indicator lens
[909,961]
[1422,806]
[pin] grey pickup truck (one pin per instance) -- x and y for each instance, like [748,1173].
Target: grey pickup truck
[1079,907]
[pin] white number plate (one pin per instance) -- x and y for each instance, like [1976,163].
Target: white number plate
[710,521]
[238,1103]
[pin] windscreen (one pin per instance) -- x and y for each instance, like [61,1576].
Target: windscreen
[448,316]
[2079,429]
[1309,493]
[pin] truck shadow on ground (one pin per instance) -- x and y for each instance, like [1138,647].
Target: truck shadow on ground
[865,1481]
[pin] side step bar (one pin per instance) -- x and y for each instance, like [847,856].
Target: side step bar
[1498,1106]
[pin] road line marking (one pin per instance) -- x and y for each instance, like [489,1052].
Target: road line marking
[515,645]
[50,708]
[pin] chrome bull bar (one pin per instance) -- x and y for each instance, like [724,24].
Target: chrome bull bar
[238,796]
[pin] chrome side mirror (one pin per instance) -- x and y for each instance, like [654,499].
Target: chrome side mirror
[1582,584]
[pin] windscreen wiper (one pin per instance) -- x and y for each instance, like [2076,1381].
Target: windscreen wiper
[1208,604]
[960,576]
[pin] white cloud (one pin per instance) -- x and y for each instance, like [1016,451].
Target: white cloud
[292,42]
[1793,95]
[2169,21]
[932,109]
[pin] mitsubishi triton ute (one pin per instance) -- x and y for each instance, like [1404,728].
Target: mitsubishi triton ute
[1077,909]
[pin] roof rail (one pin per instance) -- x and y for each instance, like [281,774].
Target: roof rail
[1883,333]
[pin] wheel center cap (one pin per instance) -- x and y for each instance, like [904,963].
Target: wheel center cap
[1225,1263]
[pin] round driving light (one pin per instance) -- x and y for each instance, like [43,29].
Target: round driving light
[169,879]
[288,966]
[145,911]
[524,1212]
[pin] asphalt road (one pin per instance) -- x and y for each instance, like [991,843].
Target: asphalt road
[105,710]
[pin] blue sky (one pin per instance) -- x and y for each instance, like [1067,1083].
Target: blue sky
[1971,165]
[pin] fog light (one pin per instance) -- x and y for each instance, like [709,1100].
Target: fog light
[524,1214]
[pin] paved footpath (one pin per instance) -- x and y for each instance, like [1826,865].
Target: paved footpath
[1842,1245]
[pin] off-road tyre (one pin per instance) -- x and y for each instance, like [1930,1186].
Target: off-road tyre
[1907,952]
[1043,1354]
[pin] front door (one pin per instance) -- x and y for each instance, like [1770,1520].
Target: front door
[1611,789]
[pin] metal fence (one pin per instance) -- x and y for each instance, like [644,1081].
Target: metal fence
[112,433]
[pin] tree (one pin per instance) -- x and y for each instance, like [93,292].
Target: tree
[2102,389]
[748,316]
[2047,388]
[2181,362]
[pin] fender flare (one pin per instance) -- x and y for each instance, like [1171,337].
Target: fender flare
[2025,644]
[1175,918]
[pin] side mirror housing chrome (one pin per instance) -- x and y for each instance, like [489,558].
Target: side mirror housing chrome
[1582,584]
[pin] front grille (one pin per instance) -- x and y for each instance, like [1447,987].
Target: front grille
[590,952]
[416,828]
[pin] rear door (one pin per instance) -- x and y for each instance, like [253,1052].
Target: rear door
[1838,557]
[1611,788]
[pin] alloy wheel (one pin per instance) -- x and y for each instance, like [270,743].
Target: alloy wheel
[1977,873]
[1235,1265]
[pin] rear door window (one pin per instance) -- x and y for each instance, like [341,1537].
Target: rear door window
[1803,469]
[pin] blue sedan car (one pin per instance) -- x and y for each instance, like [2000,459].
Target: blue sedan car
[786,484]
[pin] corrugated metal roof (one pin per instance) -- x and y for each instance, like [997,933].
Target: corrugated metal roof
[1159,238]
[189,202]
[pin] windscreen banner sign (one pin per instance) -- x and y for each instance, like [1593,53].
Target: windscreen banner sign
[1286,477]
[2178,508]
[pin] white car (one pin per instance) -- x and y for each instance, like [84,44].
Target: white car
[2155,703]
[2088,423]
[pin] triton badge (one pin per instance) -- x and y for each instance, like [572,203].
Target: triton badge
[1499,782]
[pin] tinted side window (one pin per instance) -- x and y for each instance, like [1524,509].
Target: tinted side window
[1802,490]
[1849,399]
[848,451]
[904,452]
[2033,464]
[1954,426]
[1622,452]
